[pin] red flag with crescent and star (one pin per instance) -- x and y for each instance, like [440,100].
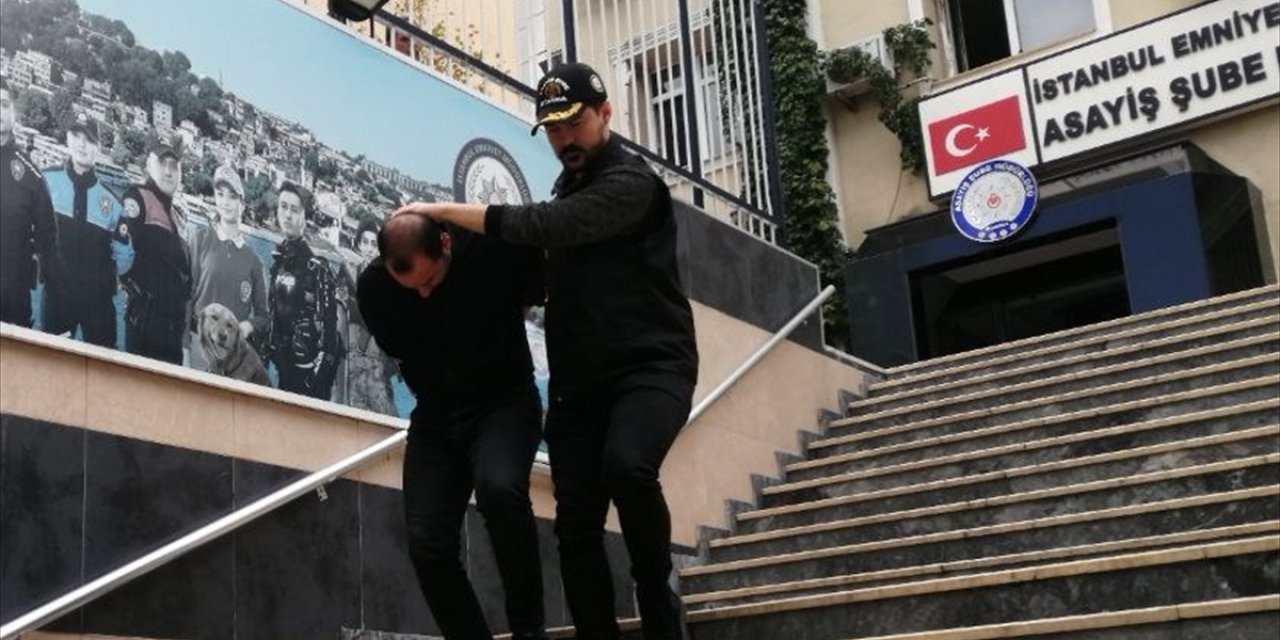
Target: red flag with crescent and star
[968,138]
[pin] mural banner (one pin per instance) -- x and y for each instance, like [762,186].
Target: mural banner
[201,183]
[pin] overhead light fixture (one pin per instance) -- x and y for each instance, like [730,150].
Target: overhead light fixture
[355,10]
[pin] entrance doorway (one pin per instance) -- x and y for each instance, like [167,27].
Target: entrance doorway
[1057,283]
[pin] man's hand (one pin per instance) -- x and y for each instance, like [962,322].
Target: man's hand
[433,210]
[467,216]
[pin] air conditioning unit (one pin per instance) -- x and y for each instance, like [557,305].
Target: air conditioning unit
[875,46]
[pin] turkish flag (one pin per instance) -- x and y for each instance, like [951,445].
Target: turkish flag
[968,138]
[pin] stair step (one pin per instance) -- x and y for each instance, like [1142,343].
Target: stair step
[1254,441]
[1035,534]
[961,567]
[1191,621]
[906,436]
[1194,573]
[1169,378]
[1023,445]
[1213,340]
[970,514]
[1170,318]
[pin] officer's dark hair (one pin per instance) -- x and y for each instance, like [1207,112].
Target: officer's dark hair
[366,226]
[289,187]
[413,234]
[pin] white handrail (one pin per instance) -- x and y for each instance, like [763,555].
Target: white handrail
[760,353]
[98,587]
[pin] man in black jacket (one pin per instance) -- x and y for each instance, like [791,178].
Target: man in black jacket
[621,346]
[303,338]
[159,284]
[27,226]
[449,306]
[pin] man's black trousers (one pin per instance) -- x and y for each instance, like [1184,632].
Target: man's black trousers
[605,446]
[490,450]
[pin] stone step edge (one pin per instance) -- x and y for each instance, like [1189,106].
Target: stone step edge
[1145,381]
[951,483]
[1099,621]
[1037,443]
[1035,368]
[944,568]
[1030,524]
[983,503]
[1182,396]
[1231,436]
[1118,322]
[1178,555]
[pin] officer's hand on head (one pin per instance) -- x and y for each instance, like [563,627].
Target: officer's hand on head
[432,210]
[245,328]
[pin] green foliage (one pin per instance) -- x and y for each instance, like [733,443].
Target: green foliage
[910,45]
[812,224]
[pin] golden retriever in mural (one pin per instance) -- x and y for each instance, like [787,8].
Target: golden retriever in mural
[229,354]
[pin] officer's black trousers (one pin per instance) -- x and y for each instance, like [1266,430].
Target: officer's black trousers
[15,304]
[92,310]
[490,451]
[609,445]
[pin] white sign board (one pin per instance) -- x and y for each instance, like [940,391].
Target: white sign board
[1168,73]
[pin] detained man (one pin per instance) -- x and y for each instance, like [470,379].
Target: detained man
[449,306]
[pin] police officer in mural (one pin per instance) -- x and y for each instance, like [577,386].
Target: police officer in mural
[93,242]
[28,230]
[369,370]
[449,306]
[159,284]
[224,268]
[303,339]
[620,341]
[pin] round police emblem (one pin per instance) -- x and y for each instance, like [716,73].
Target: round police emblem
[18,171]
[131,208]
[994,201]
[104,204]
[246,290]
[596,83]
[485,173]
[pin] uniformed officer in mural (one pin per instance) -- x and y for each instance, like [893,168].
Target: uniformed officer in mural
[93,243]
[159,284]
[621,344]
[369,370]
[28,232]
[229,292]
[303,340]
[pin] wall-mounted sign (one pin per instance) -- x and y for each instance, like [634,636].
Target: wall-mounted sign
[994,201]
[1165,74]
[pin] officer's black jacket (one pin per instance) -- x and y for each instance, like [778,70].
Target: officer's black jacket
[27,226]
[615,306]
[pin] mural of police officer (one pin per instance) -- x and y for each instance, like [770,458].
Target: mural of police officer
[159,284]
[303,338]
[93,244]
[224,268]
[28,230]
[369,370]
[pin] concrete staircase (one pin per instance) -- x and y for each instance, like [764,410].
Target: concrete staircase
[1120,480]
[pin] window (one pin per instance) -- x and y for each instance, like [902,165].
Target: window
[1028,24]
[667,106]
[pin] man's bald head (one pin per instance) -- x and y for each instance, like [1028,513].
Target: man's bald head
[405,236]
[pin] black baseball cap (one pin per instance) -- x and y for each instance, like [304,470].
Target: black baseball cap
[82,125]
[565,90]
[162,148]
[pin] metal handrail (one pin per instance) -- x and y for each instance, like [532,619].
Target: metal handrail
[104,584]
[760,353]
[101,586]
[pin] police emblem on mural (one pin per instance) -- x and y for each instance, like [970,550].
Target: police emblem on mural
[994,201]
[485,173]
[17,170]
[104,205]
[246,290]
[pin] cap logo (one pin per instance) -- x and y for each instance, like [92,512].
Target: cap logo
[596,83]
[554,88]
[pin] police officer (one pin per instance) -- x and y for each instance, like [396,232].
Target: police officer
[27,227]
[369,370]
[621,346]
[159,284]
[302,339]
[93,243]
[448,305]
